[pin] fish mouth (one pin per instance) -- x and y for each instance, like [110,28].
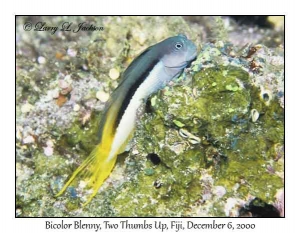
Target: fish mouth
[186,63]
[181,66]
[193,57]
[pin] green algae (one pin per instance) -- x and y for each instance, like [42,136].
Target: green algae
[178,123]
[83,137]
[222,121]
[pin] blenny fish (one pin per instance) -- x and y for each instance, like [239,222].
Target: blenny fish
[149,72]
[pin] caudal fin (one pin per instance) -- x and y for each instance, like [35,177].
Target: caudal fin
[92,172]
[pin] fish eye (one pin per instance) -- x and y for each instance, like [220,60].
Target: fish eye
[178,45]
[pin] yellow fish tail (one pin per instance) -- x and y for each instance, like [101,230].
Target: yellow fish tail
[92,172]
[100,175]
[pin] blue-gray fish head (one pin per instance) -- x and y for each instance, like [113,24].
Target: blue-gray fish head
[178,52]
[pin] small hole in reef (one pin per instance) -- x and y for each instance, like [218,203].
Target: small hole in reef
[148,107]
[27,154]
[157,184]
[154,158]
[258,208]
[266,97]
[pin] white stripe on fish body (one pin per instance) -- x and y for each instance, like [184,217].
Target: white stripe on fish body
[156,79]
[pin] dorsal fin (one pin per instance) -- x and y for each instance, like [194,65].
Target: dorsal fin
[136,63]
